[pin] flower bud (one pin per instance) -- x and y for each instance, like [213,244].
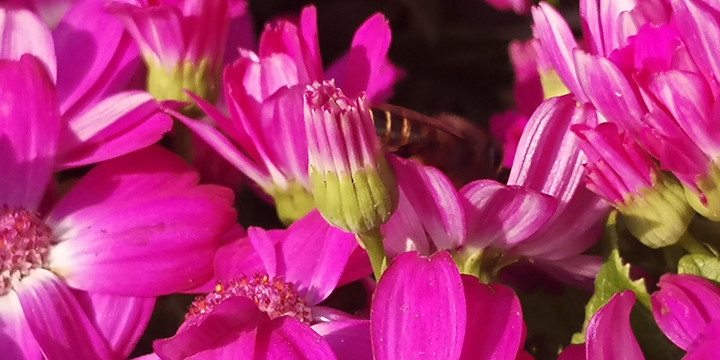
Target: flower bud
[353,186]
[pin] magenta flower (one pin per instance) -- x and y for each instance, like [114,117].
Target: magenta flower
[662,74]
[520,7]
[269,286]
[265,133]
[100,120]
[182,43]
[624,175]
[79,278]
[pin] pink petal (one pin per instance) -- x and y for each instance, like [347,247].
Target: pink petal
[684,306]
[139,177]
[57,321]
[689,100]
[287,338]
[549,159]
[609,91]
[503,216]
[495,328]
[367,55]
[572,230]
[349,339]
[429,189]
[358,267]
[601,23]
[241,32]
[609,335]
[282,116]
[578,270]
[413,294]
[312,255]
[23,32]
[224,332]
[706,345]
[149,249]
[120,319]
[158,30]
[698,25]
[308,28]
[16,339]
[405,231]
[29,127]
[239,257]
[558,44]
[117,125]
[110,58]
[226,149]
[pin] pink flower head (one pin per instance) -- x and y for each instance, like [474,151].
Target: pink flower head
[182,42]
[100,119]
[264,136]
[78,280]
[269,286]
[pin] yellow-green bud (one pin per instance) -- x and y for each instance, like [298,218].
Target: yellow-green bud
[170,83]
[292,202]
[660,215]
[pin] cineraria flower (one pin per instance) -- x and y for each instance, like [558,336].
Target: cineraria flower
[266,299]
[100,120]
[686,308]
[624,175]
[265,133]
[650,69]
[182,42]
[79,280]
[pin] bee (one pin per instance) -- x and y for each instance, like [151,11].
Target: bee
[455,146]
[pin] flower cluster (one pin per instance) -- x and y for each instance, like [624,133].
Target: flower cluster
[129,127]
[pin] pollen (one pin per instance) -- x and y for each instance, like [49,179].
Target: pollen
[24,245]
[272,295]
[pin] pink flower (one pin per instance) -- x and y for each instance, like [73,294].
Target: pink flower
[265,133]
[518,6]
[183,43]
[78,280]
[270,284]
[100,119]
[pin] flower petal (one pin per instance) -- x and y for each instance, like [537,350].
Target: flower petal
[23,32]
[115,126]
[684,306]
[120,319]
[169,230]
[419,309]
[16,339]
[501,215]
[57,321]
[110,58]
[428,189]
[312,255]
[558,43]
[367,55]
[29,127]
[706,345]
[288,338]
[349,339]
[495,328]
[609,335]
[224,332]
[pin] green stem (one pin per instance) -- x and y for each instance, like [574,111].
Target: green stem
[372,240]
[692,246]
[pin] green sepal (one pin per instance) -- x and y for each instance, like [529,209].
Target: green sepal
[706,266]
[170,84]
[292,203]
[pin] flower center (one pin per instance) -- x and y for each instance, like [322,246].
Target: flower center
[272,295]
[24,245]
